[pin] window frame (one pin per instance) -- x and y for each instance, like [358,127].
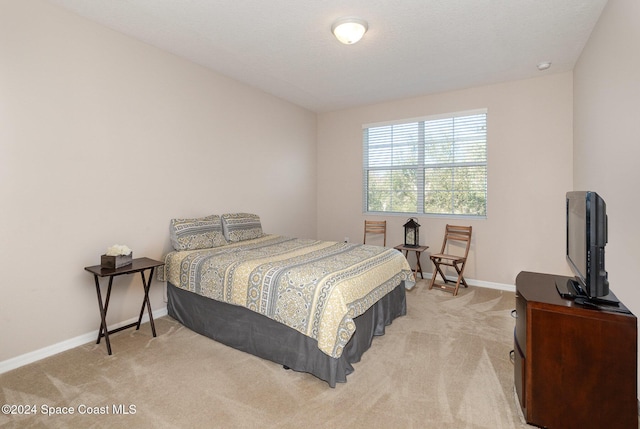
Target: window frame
[421,167]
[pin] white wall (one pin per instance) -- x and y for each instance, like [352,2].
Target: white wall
[607,137]
[103,140]
[529,172]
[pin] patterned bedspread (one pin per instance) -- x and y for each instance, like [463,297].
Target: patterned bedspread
[315,287]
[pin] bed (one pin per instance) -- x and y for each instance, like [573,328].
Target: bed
[309,305]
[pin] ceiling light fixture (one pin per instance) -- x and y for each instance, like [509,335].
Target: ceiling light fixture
[544,65]
[349,30]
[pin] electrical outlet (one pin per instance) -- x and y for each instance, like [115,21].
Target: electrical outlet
[346,239]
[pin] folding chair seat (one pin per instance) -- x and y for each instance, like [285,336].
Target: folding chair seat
[455,249]
[375,227]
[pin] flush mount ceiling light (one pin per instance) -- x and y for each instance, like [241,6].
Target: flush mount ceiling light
[544,65]
[349,30]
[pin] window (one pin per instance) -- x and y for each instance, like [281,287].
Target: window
[435,165]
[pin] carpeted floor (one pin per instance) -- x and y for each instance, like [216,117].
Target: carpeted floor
[444,365]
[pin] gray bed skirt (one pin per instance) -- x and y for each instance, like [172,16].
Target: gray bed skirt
[254,333]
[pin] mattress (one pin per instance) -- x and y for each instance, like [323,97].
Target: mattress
[316,288]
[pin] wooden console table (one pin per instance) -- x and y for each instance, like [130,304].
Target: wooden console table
[139,265]
[574,367]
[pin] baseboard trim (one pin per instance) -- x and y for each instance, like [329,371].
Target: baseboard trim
[65,345]
[480,283]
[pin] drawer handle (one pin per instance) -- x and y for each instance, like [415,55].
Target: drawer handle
[512,356]
[514,314]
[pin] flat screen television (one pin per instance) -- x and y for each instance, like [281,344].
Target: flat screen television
[586,240]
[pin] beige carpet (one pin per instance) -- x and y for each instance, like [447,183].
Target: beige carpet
[444,365]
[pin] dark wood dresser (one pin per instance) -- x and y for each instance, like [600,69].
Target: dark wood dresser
[575,367]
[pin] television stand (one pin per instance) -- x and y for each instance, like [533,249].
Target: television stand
[574,367]
[571,289]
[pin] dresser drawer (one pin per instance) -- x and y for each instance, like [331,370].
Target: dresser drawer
[521,323]
[519,375]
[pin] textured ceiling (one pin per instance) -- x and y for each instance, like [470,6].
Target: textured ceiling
[413,47]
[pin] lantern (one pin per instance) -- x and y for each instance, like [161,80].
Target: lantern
[411,236]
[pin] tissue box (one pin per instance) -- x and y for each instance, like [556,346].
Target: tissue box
[117,261]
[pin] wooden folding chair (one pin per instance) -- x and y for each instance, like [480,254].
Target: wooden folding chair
[375,227]
[456,238]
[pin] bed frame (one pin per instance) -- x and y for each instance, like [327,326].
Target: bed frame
[254,333]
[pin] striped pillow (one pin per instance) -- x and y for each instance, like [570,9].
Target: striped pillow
[200,233]
[241,226]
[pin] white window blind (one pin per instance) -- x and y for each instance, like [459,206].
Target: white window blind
[429,166]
